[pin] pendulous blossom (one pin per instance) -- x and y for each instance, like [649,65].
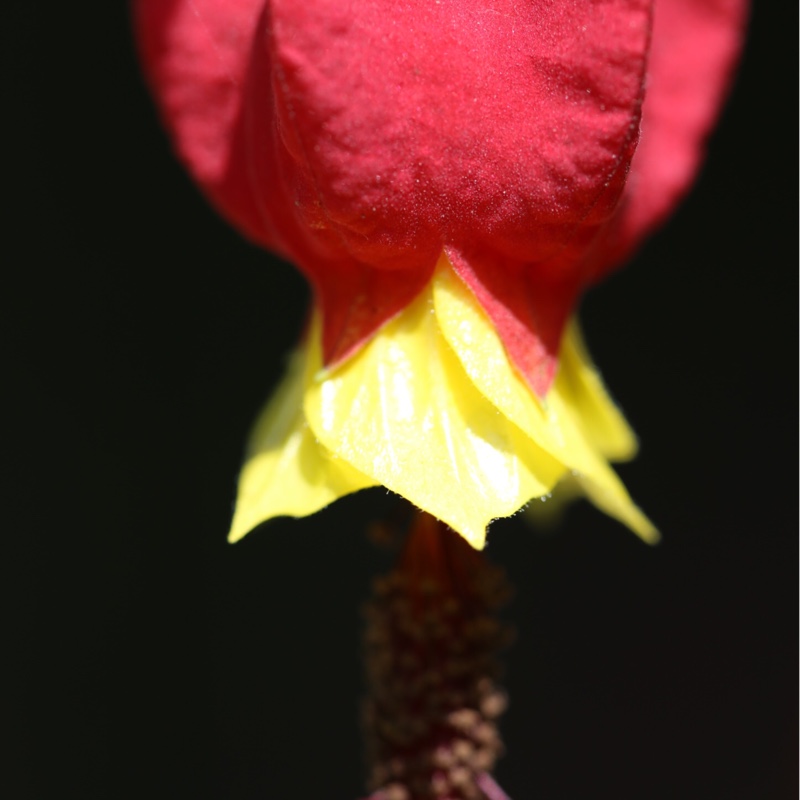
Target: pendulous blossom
[450,175]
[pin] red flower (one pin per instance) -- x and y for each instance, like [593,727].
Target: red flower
[525,146]
[360,139]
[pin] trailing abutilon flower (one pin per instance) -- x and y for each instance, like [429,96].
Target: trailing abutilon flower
[450,175]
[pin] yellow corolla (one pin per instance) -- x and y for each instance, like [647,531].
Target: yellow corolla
[432,408]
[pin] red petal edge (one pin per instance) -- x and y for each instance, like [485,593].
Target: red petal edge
[696,44]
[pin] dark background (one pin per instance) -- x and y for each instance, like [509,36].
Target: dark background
[140,337]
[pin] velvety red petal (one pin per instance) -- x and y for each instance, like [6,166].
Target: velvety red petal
[196,56]
[530,303]
[215,89]
[360,136]
[489,121]
[695,46]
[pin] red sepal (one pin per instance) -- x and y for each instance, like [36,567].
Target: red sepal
[358,139]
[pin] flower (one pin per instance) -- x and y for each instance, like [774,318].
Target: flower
[450,176]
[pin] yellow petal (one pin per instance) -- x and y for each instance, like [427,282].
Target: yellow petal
[581,388]
[404,412]
[286,472]
[576,424]
[597,430]
[432,409]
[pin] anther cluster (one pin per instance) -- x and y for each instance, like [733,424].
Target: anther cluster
[431,643]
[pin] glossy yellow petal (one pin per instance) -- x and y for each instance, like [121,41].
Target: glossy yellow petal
[404,412]
[581,388]
[286,472]
[576,423]
[432,409]
[600,431]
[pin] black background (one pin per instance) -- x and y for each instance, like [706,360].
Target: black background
[141,335]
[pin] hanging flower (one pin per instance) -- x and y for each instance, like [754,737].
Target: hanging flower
[450,175]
